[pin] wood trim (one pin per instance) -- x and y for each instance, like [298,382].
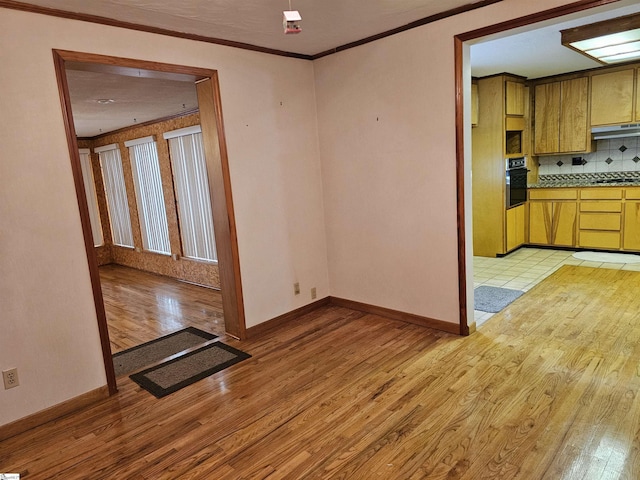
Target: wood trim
[534,18]
[222,203]
[186,113]
[460,146]
[220,184]
[84,17]
[229,43]
[408,26]
[280,320]
[92,260]
[396,315]
[460,189]
[53,413]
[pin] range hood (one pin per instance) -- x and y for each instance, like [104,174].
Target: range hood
[616,131]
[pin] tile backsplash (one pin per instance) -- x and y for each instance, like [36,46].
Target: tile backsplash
[613,155]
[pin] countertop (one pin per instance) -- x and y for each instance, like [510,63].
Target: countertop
[581,180]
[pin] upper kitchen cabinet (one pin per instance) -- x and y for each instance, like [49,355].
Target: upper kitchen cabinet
[561,117]
[612,97]
[514,103]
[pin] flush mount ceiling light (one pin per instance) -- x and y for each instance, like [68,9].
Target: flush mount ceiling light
[610,41]
[105,101]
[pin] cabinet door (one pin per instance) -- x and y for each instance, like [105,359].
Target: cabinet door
[564,224]
[631,239]
[540,222]
[514,102]
[637,116]
[574,129]
[515,227]
[547,118]
[612,97]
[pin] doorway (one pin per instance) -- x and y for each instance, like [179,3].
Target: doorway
[211,121]
[463,125]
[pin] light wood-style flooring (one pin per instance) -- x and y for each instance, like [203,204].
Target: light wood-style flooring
[547,389]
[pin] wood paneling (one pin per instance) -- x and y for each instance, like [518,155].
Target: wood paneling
[536,393]
[203,273]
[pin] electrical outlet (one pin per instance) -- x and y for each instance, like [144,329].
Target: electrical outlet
[314,294]
[296,288]
[10,378]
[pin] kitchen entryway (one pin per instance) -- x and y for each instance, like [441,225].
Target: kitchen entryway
[525,268]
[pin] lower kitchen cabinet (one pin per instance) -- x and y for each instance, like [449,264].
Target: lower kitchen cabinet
[631,240]
[552,216]
[553,223]
[516,227]
[600,221]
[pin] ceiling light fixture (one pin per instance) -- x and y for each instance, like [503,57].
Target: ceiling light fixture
[105,101]
[291,21]
[610,41]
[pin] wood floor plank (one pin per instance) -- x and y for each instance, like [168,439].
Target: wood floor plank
[549,388]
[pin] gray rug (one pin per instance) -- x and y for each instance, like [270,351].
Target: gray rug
[175,374]
[493,299]
[152,352]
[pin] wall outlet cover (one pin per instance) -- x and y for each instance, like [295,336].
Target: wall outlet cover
[10,378]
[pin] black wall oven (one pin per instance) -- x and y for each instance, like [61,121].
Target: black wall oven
[516,179]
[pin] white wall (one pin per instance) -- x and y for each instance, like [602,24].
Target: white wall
[386,116]
[49,329]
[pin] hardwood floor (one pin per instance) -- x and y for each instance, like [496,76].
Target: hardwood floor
[141,306]
[547,389]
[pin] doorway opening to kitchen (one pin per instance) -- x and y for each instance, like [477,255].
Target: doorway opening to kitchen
[500,69]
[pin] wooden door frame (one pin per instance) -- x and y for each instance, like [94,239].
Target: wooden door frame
[459,40]
[210,105]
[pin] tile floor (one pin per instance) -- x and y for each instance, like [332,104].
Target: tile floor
[526,267]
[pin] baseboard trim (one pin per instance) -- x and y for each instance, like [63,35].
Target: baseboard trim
[398,315]
[280,320]
[52,413]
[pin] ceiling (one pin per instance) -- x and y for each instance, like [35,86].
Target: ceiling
[532,52]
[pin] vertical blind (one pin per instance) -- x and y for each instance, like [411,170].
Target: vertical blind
[149,195]
[92,200]
[192,193]
[116,192]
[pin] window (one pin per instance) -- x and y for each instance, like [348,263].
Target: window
[116,192]
[92,199]
[192,193]
[149,195]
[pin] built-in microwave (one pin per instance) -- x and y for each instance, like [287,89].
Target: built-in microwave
[516,181]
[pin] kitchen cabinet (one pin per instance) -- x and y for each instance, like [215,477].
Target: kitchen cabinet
[631,237]
[514,101]
[612,97]
[561,117]
[600,218]
[553,216]
[496,137]
[516,227]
